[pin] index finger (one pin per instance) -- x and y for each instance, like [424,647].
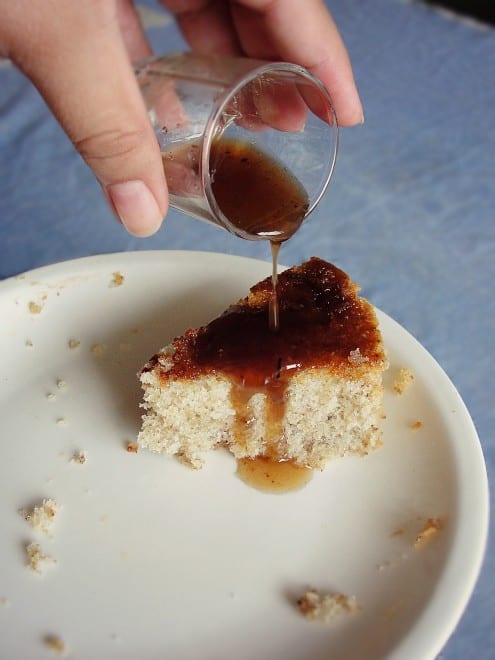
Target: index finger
[290,30]
[304,33]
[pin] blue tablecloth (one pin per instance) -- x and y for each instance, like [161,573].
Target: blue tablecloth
[410,213]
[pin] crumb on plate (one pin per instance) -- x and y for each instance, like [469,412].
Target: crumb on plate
[74,343]
[404,379]
[42,516]
[79,457]
[415,426]
[36,558]
[117,279]
[56,644]
[326,607]
[34,308]
[429,531]
[132,447]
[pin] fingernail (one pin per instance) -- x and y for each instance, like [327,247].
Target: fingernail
[136,207]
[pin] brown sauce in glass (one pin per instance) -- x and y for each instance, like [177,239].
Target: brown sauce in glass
[257,195]
[260,198]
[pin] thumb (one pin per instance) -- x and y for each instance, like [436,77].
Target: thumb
[83,72]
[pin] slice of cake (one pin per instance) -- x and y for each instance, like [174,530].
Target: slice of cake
[310,392]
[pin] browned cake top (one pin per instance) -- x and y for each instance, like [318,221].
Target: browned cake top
[322,324]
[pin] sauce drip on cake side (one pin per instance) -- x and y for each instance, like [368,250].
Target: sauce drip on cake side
[321,324]
[271,472]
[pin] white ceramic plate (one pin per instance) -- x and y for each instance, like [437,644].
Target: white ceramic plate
[158,561]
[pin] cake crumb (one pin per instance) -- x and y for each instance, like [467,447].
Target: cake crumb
[42,516]
[74,343]
[404,379]
[34,308]
[117,279]
[79,457]
[50,396]
[429,531]
[355,358]
[326,607]
[56,644]
[132,447]
[415,426]
[36,558]
[61,421]
[29,343]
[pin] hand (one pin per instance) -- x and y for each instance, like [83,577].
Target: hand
[290,30]
[78,54]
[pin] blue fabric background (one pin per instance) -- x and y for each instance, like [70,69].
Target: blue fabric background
[410,213]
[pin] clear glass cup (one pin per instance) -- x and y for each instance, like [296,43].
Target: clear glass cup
[247,145]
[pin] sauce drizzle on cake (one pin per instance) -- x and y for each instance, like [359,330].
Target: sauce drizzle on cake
[321,322]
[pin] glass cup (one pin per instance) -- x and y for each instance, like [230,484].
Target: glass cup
[247,145]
